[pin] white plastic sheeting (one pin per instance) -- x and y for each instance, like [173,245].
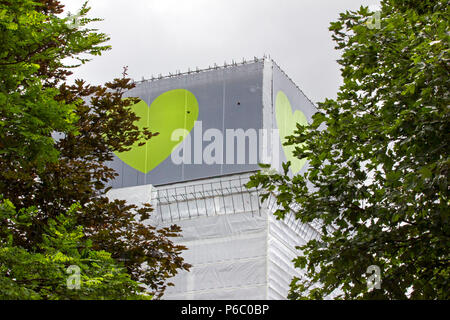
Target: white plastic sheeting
[282,240]
[228,254]
[237,248]
[133,195]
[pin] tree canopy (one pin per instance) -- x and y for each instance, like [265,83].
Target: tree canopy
[44,272]
[378,172]
[55,142]
[34,41]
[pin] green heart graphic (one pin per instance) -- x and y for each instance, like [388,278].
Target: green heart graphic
[286,122]
[172,110]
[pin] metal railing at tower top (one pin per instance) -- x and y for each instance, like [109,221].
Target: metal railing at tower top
[217,196]
[222,196]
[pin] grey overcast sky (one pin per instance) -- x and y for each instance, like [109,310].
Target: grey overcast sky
[162,36]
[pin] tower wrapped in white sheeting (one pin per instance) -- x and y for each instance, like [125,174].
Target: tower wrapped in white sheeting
[236,246]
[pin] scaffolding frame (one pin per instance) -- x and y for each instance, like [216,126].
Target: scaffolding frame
[223,196]
[206,198]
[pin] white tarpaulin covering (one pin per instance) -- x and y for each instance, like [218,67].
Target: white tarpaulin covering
[228,254]
[237,248]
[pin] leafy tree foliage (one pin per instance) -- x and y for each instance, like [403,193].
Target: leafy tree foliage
[378,170]
[56,140]
[33,43]
[41,273]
